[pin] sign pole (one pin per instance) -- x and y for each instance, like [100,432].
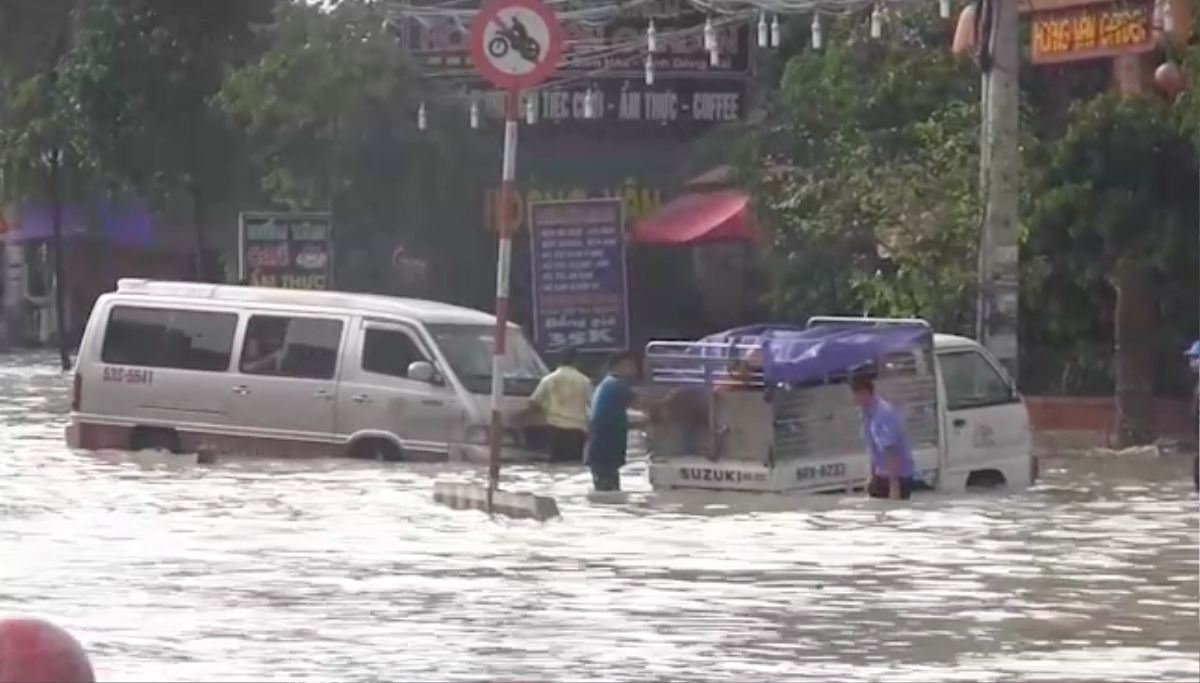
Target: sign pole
[515,45]
[508,175]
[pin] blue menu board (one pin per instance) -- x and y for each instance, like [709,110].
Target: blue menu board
[579,280]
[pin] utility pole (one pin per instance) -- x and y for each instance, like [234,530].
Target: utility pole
[1000,164]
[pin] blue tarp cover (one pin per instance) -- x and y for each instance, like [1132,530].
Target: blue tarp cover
[794,354]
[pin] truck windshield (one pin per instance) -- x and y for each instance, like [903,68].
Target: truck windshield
[468,350]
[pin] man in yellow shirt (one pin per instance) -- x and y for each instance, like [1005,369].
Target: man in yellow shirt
[562,398]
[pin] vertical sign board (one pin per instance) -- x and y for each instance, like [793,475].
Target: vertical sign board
[288,250]
[580,298]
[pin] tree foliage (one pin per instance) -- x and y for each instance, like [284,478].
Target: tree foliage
[329,112]
[202,109]
[139,82]
[868,173]
[34,41]
[319,104]
[1120,184]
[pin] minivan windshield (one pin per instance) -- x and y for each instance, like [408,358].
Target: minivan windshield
[468,350]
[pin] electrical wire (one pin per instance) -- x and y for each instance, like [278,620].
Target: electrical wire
[629,49]
[720,14]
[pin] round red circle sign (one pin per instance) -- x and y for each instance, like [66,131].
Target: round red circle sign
[515,44]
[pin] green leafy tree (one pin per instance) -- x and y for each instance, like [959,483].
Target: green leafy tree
[867,172]
[35,38]
[39,161]
[139,82]
[1112,223]
[329,110]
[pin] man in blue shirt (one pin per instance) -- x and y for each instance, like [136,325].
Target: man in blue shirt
[608,423]
[892,467]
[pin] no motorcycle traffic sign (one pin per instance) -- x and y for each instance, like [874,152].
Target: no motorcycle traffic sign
[515,44]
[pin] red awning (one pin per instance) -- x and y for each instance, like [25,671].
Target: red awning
[722,216]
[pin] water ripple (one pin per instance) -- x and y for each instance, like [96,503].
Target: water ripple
[333,571]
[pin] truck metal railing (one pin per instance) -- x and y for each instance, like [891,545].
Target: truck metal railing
[920,411]
[720,404]
[673,363]
[685,380]
[820,419]
[818,320]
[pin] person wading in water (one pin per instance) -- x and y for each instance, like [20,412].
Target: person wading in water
[892,467]
[608,426]
[562,398]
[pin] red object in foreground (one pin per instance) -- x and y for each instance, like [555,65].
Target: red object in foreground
[36,651]
[701,218]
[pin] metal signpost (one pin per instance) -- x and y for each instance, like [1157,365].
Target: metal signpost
[515,44]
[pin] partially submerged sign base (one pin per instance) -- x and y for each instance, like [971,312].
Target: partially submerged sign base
[468,496]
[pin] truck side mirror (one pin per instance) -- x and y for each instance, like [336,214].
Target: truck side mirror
[423,371]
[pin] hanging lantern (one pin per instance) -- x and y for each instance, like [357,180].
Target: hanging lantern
[964,32]
[1169,78]
[1173,21]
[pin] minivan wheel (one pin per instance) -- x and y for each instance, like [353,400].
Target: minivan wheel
[379,450]
[154,438]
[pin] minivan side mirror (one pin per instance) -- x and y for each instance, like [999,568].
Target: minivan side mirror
[423,371]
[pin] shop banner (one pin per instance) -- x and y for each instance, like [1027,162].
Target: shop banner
[288,250]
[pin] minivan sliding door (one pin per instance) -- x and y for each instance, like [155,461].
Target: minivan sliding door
[285,387]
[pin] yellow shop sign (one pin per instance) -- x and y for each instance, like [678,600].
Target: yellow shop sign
[639,200]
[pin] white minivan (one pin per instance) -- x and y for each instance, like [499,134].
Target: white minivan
[192,367]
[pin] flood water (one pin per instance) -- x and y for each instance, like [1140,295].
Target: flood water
[319,571]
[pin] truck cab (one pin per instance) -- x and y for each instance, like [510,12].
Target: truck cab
[986,423]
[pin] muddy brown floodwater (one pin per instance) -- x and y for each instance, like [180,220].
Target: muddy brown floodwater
[319,571]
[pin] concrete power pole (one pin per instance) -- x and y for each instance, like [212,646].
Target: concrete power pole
[1000,164]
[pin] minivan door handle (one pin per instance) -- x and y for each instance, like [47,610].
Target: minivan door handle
[361,398]
[241,390]
[322,394]
[432,402]
[959,422]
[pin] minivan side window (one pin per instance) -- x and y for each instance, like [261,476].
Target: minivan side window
[389,352]
[287,346]
[972,382]
[169,338]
